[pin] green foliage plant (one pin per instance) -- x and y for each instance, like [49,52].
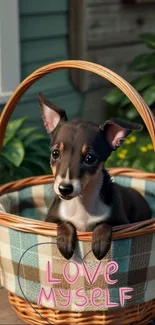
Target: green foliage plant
[137,151]
[25,152]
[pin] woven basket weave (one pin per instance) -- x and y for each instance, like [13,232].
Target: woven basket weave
[143,232]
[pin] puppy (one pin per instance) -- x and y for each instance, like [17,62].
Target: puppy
[85,197]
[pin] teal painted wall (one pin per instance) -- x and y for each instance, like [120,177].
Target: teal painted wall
[44,39]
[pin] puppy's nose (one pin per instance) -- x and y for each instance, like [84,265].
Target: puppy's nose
[65,189]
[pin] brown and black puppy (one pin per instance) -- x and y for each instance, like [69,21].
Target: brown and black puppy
[86,199]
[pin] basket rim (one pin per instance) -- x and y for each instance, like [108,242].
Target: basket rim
[46,179]
[50,229]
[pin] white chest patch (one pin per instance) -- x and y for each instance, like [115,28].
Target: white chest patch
[74,212]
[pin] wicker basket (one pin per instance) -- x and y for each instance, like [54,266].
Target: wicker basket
[133,245]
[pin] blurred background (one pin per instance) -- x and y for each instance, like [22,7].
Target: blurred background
[119,34]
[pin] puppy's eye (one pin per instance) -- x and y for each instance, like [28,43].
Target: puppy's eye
[55,154]
[90,159]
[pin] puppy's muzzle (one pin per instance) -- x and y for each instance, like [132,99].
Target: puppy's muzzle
[66,189]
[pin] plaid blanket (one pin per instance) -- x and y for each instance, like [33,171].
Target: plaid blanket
[32,267]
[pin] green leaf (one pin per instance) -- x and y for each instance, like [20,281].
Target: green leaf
[14,152]
[126,163]
[125,102]
[40,148]
[143,82]
[35,170]
[151,167]
[4,162]
[143,62]
[149,95]
[149,39]
[12,128]
[114,96]
[132,113]
[139,84]
[23,133]
[34,138]
[43,164]
[40,151]
[23,172]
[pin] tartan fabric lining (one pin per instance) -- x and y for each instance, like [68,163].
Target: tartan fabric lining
[135,256]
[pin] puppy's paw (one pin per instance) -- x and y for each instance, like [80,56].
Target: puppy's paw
[101,240]
[66,239]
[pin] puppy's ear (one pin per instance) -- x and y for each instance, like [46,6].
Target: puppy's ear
[51,114]
[116,131]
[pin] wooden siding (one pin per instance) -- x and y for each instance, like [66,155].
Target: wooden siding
[117,24]
[29,7]
[43,40]
[109,33]
[43,26]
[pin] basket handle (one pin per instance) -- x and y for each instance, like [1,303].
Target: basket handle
[127,89]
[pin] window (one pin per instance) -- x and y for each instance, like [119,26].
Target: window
[9,48]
